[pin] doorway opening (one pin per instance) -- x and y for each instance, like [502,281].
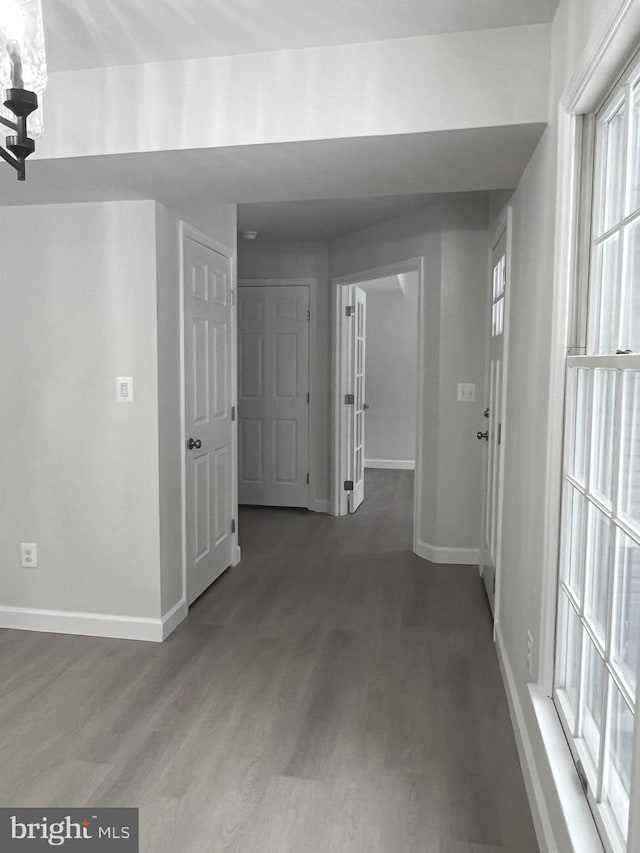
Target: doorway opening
[377,399]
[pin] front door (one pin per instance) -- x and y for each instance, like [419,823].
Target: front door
[273,395]
[207,364]
[492,432]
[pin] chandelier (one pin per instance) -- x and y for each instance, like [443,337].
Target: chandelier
[23,76]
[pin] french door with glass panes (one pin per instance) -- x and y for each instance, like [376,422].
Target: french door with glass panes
[599,587]
[493,413]
[358,362]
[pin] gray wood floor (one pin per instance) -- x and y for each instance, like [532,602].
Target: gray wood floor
[332,693]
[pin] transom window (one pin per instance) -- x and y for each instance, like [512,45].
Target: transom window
[599,590]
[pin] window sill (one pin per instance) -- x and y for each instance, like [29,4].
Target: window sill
[577,815]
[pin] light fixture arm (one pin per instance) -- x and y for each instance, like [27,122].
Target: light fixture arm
[21,102]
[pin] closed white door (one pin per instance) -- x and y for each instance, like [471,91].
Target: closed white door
[207,364]
[358,363]
[273,395]
[492,432]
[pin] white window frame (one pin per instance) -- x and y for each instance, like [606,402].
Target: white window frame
[574,242]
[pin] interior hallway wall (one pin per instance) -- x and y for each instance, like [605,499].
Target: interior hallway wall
[451,240]
[391,370]
[79,469]
[95,483]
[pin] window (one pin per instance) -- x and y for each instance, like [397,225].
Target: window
[599,588]
[497,302]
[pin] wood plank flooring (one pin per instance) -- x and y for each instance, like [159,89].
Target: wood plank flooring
[331,694]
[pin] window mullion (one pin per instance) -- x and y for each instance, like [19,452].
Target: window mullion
[587,485]
[634,813]
[593,301]
[581,665]
[613,538]
[624,232]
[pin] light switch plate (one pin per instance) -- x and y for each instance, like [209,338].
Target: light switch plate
[124,389]
[466,392]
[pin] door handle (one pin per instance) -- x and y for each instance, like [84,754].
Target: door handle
[365,406]
[481,435]
[194,442]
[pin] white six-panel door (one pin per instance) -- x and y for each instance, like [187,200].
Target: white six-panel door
[208,469]
[273,395]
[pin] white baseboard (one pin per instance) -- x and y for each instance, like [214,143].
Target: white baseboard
[395,464]
[321,506]
[447,556]
[236,555]
[173,618]
[533,785]
[87,624]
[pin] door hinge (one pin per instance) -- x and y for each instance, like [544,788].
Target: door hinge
[494,584]
[233,413]
[307,479]
[233,525]
[233,297]
[308,397]
[349,399]
[348,485]
[308,315]
[349,311]
[499,433]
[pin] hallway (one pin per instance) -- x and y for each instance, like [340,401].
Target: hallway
[333,692]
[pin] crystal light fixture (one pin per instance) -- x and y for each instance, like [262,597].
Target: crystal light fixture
[23,76]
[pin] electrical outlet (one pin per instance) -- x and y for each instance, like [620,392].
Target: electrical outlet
[29,555]
[529,652]
[466,392]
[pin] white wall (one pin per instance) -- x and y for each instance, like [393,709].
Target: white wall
[463,330]
[96,483]
[392,369]
[312,93]
[257,260]
[79,470]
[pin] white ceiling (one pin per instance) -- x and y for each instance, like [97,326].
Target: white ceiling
[90,33]
[294,191]
[348,169]
[323,219]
